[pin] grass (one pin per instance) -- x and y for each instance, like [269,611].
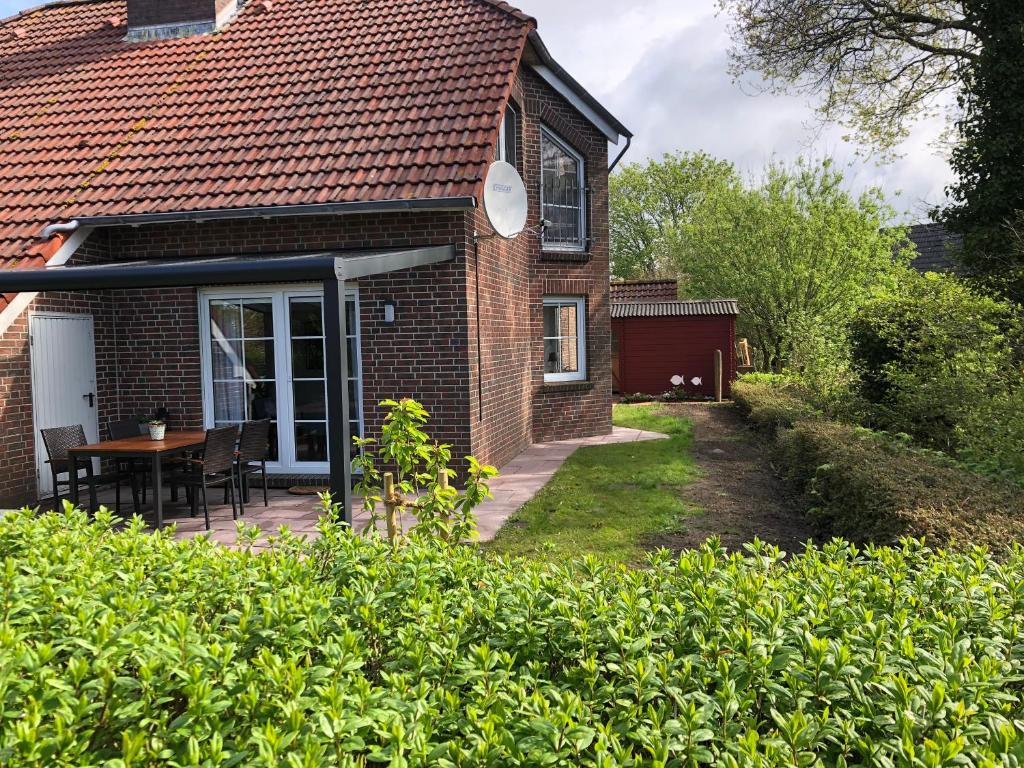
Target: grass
[609,500]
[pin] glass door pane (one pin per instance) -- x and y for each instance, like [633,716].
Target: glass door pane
[309,378]
[243,366]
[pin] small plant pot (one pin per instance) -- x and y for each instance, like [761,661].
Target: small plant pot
[157,431]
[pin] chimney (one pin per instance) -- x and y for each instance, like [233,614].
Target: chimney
[163,19]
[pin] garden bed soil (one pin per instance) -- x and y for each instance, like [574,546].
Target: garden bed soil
[739,493]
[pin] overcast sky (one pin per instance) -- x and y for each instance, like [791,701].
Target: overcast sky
[660,67]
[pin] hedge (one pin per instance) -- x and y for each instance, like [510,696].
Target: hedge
[773,404]
[872,487]
[867,487]
[130,649]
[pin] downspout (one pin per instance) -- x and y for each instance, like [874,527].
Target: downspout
[66,228]
[622,154]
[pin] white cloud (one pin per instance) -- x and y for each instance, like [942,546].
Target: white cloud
[661,67]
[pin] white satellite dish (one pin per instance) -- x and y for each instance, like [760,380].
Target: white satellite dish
[505,200]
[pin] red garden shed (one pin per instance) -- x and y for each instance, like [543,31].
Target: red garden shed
[657,337]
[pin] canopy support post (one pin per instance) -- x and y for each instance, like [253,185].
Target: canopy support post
[339,437]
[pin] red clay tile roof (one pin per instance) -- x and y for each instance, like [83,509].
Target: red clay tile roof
[294,102]
[639,291]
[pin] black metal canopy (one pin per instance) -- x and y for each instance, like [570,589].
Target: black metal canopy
[332,269]
[227,270]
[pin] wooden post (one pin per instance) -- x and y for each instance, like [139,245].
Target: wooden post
[442,482]
[718,375]
[391,506]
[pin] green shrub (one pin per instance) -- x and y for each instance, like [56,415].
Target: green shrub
[930,351]
[869,487]
[772,402]
[991,436]
[131,649]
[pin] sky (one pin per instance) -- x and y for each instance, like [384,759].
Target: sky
[661,67]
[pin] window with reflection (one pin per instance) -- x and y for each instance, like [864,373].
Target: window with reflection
[563,193]
[243,364]
[565,342]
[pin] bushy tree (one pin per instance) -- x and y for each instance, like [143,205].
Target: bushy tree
[930,350]
[989,157]
[648,201]
[878,65]
[797,250]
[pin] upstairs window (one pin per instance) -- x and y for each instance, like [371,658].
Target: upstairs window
[563,192]
[565,339]
[508,144]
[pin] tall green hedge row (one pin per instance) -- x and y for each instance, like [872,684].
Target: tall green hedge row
[128,649]
[868,486]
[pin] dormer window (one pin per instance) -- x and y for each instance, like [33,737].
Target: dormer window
[508,138]
[563,192]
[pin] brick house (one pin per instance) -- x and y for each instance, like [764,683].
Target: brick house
[166,134]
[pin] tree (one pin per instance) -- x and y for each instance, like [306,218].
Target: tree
[989,157]
[931,350]
[879,64]
[647,201]
[796,250]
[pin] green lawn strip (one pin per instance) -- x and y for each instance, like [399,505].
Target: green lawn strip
[608,500]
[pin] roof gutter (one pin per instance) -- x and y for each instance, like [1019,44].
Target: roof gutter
[272,211]
[556,76]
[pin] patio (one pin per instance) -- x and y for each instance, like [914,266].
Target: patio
[518,483]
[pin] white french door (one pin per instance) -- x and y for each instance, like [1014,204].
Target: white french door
[263,358]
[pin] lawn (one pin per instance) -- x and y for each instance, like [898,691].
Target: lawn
[609,500]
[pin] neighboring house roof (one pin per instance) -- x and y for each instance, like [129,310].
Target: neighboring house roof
[630,291]
[676,308]
[936,246]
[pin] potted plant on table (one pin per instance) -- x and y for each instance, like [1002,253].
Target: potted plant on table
[157,423]
[157,429]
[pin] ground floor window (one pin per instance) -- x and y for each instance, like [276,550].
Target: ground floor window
[263,358]
[565,338]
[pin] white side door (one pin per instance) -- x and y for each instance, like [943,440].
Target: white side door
[63,354]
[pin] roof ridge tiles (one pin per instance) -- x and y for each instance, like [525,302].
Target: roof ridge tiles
[511,10]
[25,12]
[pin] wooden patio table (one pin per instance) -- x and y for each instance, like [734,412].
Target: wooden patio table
[141,447]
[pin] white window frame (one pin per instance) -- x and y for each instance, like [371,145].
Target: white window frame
[580,303]
[549,135]
[503,154]
[279,296]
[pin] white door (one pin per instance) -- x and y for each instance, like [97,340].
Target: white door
[63,354]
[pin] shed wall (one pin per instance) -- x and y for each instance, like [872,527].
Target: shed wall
[654,349]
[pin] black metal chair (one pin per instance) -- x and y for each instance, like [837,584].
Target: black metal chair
[251,457]
[57,441]
[216,467]
[132,469]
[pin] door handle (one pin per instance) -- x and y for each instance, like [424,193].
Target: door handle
[91,397]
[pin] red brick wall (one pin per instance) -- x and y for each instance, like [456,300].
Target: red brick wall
[562,411]
[424,355]
[654,349]
[517,408]
[17,432]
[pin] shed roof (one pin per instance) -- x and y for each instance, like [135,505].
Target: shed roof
[705,307]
